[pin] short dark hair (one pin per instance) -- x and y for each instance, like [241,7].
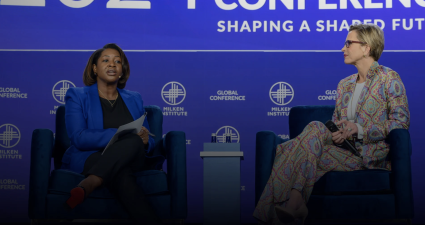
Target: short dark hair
[89,77]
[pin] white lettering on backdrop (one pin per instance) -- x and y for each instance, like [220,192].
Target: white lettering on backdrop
[229,5]
[271,25]
[321,25]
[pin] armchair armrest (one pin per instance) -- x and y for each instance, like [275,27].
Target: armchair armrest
[265,151]
[401,182]
[41,155]
[175,150]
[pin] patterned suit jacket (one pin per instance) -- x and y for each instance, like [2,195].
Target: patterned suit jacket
[382,107]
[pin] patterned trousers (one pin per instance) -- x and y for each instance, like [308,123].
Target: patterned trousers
[298,164]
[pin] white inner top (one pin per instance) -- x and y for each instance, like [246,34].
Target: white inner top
[352,108]
[352,104]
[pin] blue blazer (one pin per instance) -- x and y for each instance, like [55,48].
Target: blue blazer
[84,124]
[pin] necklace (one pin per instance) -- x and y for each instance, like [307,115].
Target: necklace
[112,104]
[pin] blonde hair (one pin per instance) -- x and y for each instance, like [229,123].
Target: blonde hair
[373,35]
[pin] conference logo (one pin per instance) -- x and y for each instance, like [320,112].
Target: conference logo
[173,93]
[11,184]
[284,136]
[281,93]
[12,92]
[329,95]
[9,135]
[223,131]
[227,95]
[59,90]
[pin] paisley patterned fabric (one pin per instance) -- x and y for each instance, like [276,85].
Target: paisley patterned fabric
[382,107]
[300,162]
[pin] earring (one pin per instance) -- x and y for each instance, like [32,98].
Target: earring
[119,77]
[364,56]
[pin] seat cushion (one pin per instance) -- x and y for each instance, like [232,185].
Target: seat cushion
[152,182]
[353,182]
[352,207]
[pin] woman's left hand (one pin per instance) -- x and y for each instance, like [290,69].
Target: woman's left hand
[144,135]
[349,128]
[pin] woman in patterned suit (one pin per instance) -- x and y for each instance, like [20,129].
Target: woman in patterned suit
[369,105]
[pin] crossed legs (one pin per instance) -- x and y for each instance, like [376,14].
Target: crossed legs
[298,164]
[114,170]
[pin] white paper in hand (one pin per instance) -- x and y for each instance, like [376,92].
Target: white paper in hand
[133,127]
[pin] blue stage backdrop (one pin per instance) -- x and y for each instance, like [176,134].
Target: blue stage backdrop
[226,59]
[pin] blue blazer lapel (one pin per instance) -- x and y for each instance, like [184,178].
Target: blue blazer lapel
[95,109]
[129,101]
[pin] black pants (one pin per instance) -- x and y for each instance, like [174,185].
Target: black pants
[116,166]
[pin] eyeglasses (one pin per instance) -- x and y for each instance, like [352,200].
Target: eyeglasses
[348,43]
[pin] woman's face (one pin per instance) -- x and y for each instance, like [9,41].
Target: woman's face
[355,51]
[109,66]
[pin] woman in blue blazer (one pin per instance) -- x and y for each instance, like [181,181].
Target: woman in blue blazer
[92,116]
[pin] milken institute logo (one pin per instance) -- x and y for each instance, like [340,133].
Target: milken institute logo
[60,89]
[173,93]
[221,134]
[9,135]
[281,93]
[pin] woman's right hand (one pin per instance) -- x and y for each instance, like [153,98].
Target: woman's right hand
[144,135]
[337,137]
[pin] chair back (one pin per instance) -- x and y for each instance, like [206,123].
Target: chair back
[62,141]
[155,118]
[301,116]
